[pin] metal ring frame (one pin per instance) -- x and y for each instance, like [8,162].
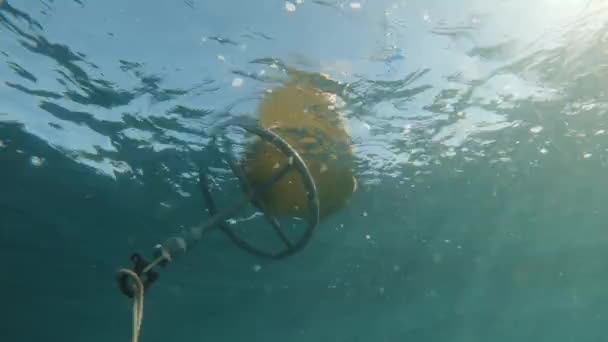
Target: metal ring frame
[309,184]
[295,161]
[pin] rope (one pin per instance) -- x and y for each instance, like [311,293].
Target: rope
[138,292]
[138,302]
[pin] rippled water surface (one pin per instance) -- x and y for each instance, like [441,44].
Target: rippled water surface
[479,130]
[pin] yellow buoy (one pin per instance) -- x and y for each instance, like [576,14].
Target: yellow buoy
[306,118]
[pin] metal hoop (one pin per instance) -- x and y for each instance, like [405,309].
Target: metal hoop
[309,184]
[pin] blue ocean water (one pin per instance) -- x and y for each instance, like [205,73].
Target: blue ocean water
[479,129]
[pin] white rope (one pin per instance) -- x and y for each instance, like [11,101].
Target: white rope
[138,302]
[138,292]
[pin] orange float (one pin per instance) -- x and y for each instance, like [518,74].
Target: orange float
[306,117]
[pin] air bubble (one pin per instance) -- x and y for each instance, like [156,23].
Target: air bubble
[290,7]
[237,82]
[536,129]
[36,161]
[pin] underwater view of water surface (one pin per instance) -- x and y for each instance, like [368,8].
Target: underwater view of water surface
[459,152]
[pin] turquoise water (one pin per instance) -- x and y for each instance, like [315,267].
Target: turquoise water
[480,133]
